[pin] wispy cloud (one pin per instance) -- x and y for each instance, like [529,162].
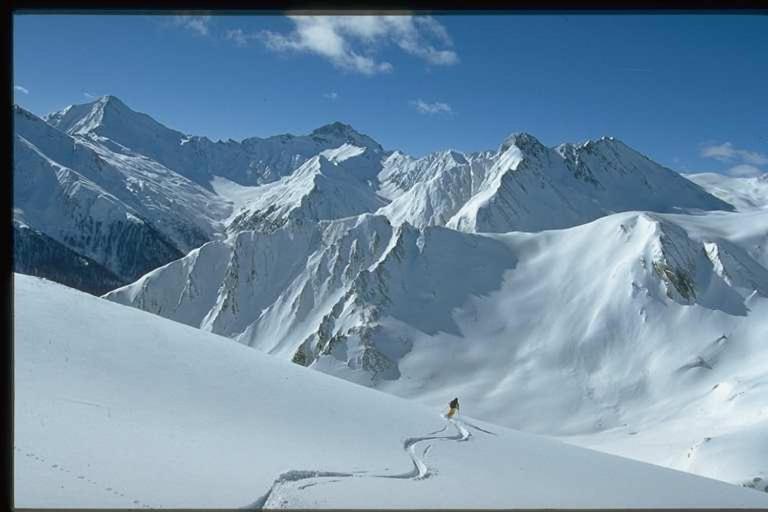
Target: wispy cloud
[197,24]
[744,163]
[351,42]
[726,152]
[21,89]
[431,108]
[333,96]
[240,37]
[89,95]
[744,171]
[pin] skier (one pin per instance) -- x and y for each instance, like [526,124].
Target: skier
[453,408]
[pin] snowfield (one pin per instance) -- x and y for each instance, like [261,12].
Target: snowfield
[115,407]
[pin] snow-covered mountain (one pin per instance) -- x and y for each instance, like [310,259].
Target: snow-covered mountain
[116,408]
[332,185]
[430,190]
[121,189]
[582,291]
[743,193]
[549,332]
[127,213]
[132,194]
[526,186]
[250,162]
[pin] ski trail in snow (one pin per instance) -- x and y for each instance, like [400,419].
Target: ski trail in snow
[295,475]
[419,471]
[478,428]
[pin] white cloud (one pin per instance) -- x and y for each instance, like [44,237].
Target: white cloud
[21,89]
[333,96]
[197,24]
[432,108]
[240,37]
[89,95]
[350,42]
[726,152]
[744,171]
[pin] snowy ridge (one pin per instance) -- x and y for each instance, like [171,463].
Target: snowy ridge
[168,180]
[183,213]
[380,305]
[323,188]
[250,162]
[438,186]
[84,217]
[531,187]
[102,389]
[525,186]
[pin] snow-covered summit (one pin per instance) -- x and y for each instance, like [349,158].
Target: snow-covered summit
[101,116]
[125,211]
[327,186]
[522,140]
[336,132]
[527,186]
[254,160]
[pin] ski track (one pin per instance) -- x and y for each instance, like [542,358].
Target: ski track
[420,470]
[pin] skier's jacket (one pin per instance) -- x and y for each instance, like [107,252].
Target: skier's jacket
[453,407]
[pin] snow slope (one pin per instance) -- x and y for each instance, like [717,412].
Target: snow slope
[118,408]
[531,187]
[81,215]
[126,212]
[525,186]
[430,190]
[743,193]
[547,332]
[325,187]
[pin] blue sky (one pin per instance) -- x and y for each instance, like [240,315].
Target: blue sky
[687,90]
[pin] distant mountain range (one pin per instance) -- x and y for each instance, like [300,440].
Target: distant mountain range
[117,187]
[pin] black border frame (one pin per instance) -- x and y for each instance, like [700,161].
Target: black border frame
[271,7]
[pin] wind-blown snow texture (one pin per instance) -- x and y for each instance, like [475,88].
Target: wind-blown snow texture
[582,291]
[118,408]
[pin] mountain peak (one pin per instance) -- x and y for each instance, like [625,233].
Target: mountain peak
[341,133]
[522,140]
[112,101]
[335,128]
[604,141]
[86,117]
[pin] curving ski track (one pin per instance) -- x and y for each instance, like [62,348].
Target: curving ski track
[419,471]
